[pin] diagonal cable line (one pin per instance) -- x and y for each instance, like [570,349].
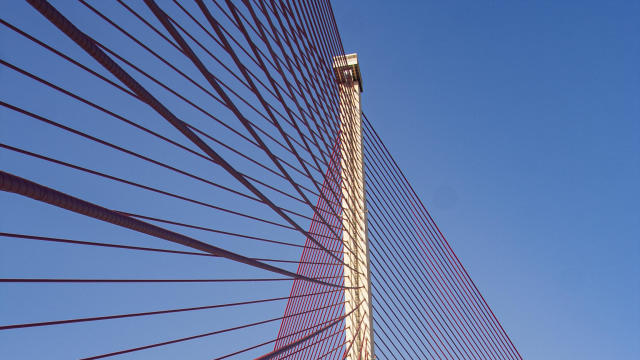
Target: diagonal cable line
[148,313]
[15,184]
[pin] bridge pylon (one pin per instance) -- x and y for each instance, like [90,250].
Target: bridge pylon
[358,323]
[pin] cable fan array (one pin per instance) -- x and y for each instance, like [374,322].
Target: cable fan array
[424,302]
[172,187]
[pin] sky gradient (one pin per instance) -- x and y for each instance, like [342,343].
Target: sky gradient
[518,123]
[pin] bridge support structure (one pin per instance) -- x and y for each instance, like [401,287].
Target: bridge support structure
[358,324]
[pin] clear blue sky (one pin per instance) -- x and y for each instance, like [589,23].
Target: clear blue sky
[517,123]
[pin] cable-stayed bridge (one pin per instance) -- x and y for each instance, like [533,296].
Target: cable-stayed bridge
[197,179]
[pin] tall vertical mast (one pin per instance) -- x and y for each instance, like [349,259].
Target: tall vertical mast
[359,332]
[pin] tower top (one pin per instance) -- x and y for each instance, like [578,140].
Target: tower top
[347,69]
